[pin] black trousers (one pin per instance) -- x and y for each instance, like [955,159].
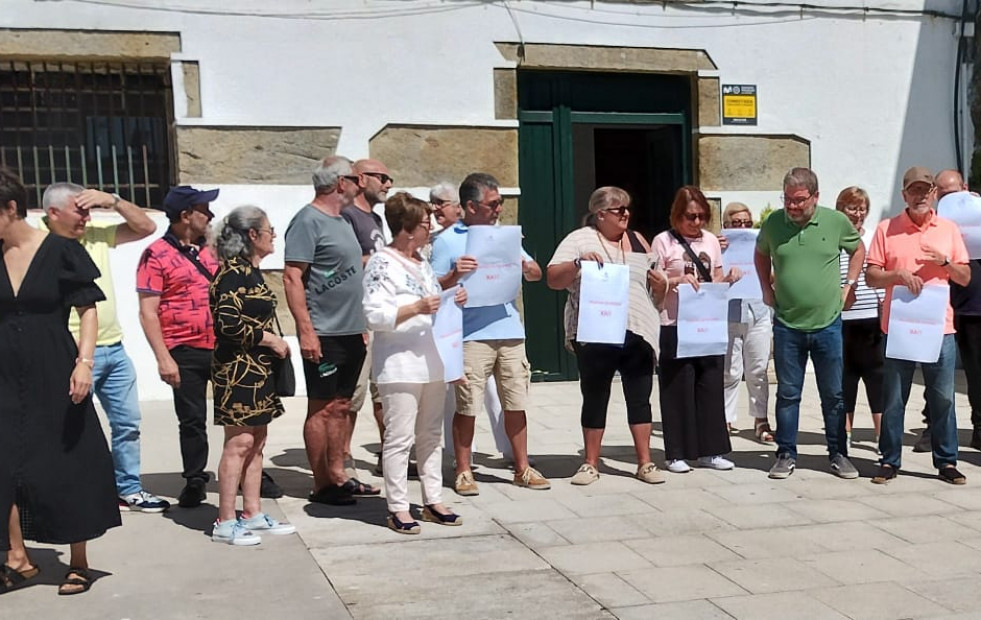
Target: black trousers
[863,357]
[597,365]
[693,414]
[190,403]
[968,339]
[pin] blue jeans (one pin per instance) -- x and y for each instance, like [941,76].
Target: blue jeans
[790,350]
[114,382]
[938,378]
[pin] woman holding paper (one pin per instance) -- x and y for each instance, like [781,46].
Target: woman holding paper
[862,342]
[691,388]
[750,336]
[401,295]
[607,240]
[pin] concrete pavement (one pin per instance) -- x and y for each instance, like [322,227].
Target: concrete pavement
[704,545]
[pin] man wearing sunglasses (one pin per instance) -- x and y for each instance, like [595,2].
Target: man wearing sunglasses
[374,181]
[802,245]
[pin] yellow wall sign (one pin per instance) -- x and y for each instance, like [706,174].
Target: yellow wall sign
[738,104]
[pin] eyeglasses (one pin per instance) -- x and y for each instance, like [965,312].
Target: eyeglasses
[270,230]
[855,209]
[920,190]
[353,178]
[741,223]
[620,211]
[796,202]
[381,176]
[692,217]
[493,206]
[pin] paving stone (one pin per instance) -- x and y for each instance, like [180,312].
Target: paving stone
[606,505]
[924,529]
[823,488]
[958,594]
[680,521]
[771,543]
[863,566]
[587,558]
[753,516]
[848,536]
[536,535]
[970,519]
[756,493]
[907,505]
[776,606]
[598,529]
[877,601]
[967,498]
[832,510]
[609,589]
[687,610]
[664,498]
[681,583]
[682,550]
[544,509]
[940,559]
[773,575]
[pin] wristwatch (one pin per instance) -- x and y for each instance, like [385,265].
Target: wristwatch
[116,198]
[577,262]
[851,283]
[946,262]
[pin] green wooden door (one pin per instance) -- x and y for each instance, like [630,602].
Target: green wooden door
[550,103]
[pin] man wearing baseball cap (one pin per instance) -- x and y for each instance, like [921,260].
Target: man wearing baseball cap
[172,279]
[918,248]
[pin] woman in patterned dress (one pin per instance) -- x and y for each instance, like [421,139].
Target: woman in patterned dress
[241,371]
[401,295]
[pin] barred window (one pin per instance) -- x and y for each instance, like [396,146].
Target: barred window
[98,124]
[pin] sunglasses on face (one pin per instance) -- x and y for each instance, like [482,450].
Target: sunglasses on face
[620,211]
[740,223]
[692,217]
[381,176]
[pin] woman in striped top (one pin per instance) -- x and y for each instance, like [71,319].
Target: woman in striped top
[861,335]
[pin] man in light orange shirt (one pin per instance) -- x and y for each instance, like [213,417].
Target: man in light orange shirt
[914,249]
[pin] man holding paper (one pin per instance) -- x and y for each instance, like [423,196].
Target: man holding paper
[802,244]
[917,248]
[494,339]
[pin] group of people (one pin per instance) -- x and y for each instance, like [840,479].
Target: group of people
[364,307]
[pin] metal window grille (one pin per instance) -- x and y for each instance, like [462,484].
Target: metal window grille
[98,124]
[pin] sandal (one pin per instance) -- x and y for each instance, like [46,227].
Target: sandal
[360,489]
[764,434]
[77,578]
[449,518]
[408,527]
[11,578]
[332,495]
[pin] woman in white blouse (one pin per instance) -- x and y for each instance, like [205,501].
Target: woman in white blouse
[401,295]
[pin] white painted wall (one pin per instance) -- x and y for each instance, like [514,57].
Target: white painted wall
[873,95]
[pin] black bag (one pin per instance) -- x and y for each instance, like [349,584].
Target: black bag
[284,376]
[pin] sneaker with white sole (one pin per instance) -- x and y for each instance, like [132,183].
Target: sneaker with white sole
[531,478]
[678,466]
[783,467]
[232,533]
[843,468]
[143,502]
[267,525]
[715,462]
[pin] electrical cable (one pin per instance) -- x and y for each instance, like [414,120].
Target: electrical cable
[958,154]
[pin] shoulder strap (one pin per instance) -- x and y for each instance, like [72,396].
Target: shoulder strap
[635,244]
[186,254]
[706,276]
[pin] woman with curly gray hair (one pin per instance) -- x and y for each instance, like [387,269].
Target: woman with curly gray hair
[245,398]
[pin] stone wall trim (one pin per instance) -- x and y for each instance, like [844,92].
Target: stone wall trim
[51,44]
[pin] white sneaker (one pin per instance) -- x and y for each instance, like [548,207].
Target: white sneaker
[232,533]
[267,525]
[678,466]
[715,462]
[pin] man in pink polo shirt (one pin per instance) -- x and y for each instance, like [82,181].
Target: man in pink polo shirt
[918,248]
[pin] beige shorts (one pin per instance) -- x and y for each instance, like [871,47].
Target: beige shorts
[365,384]
[506,360]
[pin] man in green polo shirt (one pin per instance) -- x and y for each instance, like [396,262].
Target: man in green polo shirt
[802,244]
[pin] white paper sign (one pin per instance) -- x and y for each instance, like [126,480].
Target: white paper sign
[603,297]
[497,278]
[916,324]
[964,208]
[703,319]
[739,254]
[448,334]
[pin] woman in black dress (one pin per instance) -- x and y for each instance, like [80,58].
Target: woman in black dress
[56,475]
[241,373]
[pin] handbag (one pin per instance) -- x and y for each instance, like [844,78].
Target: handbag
[284,377]
[702,270]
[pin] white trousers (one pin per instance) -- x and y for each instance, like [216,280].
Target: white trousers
[492,405]
[748,354]
[413,414]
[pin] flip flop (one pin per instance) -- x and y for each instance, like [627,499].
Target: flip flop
[11,578]
[75,577]
[360,489]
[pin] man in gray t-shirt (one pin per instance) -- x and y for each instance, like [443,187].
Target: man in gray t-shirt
[322,279]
